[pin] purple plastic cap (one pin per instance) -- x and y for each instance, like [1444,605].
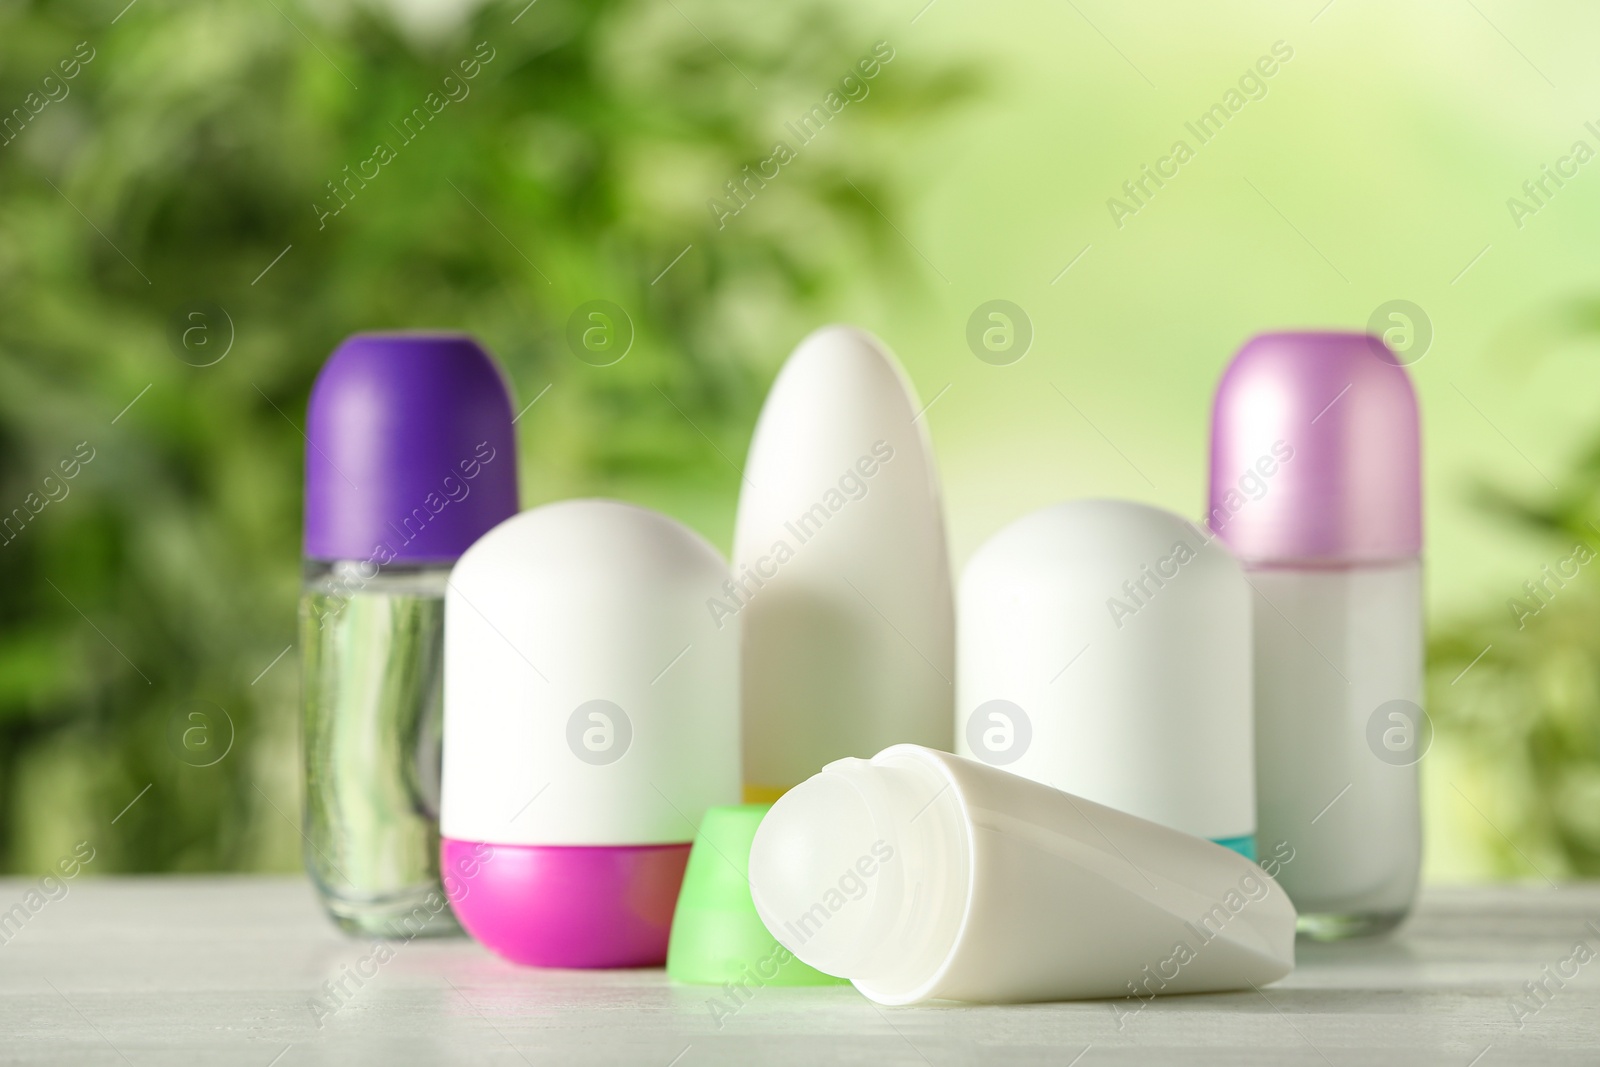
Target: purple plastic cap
[1315,452]
[410,455]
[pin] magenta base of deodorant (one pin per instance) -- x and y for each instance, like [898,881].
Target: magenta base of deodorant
[568,906]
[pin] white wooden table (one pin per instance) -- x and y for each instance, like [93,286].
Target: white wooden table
[224,970]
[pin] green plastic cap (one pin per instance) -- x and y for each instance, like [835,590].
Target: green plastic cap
[716,935]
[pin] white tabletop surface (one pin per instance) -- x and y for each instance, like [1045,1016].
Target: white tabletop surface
[224,970]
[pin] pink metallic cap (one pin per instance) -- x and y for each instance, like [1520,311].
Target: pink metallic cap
[564,905]
[1315,452]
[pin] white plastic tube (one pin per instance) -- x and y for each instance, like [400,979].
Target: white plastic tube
[922,875]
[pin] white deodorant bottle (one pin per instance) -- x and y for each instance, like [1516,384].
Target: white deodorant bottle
[591,717]
[841,578]
[921,875]
[1316,486]
[1105,650]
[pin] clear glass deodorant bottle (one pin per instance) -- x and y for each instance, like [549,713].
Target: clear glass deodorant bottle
[1316,486]
[410,458]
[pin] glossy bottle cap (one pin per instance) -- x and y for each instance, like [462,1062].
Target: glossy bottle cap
[561,906]
[410,455]
[1315,452]
[717,937]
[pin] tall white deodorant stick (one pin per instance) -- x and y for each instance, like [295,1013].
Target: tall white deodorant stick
[920,875]
[841,577]
[1316,485]
[591,716]
[1105,650]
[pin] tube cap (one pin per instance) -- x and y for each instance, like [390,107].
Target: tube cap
[410,455]
[1315,452]
[717,937]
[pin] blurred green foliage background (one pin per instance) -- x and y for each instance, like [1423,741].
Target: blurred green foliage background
[186,166]
[179,172]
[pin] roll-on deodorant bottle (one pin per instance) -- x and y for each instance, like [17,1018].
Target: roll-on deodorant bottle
[922,875]
[409,459]
[591,719]
[1316,486]
[841,576]
[1105,650]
